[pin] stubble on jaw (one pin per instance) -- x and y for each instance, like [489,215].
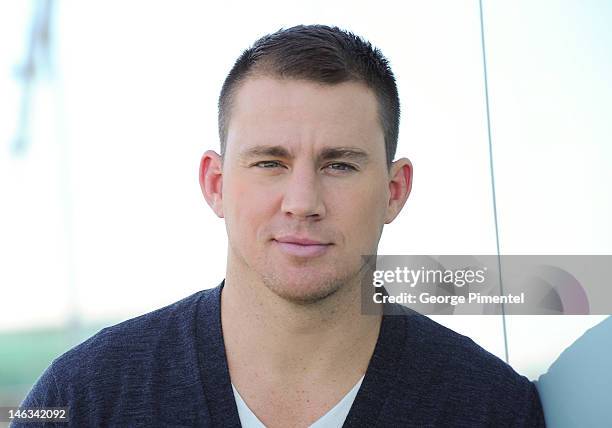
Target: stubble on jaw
[313,296]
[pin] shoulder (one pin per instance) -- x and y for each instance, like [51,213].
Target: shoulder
[135,339]
[126,363]
[446,350]
[451,368]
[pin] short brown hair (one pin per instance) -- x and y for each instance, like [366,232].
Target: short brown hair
[321,54]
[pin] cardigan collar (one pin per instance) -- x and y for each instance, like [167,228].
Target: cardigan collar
[215,377]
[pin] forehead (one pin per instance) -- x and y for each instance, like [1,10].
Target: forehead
[304,114]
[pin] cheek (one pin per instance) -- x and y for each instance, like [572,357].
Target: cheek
[246,207]
[360,211]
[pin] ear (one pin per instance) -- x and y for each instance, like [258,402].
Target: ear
[211,180]
[400,184]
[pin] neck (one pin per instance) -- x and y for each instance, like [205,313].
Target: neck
[293,341]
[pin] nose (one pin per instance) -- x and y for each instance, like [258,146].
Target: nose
[302,194]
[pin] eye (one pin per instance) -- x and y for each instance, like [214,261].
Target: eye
[341,166]
[267,164]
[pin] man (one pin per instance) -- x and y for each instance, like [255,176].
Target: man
[308,123]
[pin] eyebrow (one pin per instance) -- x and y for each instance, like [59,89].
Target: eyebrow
[328,153]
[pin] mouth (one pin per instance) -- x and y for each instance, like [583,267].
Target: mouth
[302,247]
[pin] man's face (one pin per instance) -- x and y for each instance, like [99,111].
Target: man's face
[305,187]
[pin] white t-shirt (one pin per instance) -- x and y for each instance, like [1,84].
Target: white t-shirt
[332,419]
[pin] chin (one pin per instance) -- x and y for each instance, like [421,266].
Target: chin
[304,291]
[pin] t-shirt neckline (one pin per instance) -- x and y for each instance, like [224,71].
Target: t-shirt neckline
[215,378]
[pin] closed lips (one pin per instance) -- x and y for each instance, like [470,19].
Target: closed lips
[301,241]
[302,247]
